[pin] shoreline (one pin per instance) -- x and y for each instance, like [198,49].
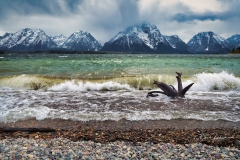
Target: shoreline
[179,131]
[163,139]
[123,124]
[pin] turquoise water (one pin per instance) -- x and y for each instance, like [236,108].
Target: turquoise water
[114,86]
[114,65]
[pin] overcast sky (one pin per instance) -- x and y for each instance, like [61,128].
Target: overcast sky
[105,18]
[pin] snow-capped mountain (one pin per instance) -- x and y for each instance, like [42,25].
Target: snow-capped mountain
[26,39]
[30,40]
[59,40]
[144,37]
[234,40]
[178,44]
[140,38]
[81,41]
[209,42]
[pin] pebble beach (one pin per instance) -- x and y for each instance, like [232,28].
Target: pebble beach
[119,140]
[61,148]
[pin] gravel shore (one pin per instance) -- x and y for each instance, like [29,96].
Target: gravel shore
[175,139]
[62,148]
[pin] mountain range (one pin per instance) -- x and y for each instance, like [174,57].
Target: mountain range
[29,40]
[26,39]
[144,37]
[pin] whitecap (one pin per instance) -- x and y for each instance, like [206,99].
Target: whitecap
[89,86]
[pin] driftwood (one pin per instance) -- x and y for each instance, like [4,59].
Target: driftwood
[9,129]
[169,90]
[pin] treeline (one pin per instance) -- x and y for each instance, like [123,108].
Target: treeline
[69,52]
[55,52]
[235,50]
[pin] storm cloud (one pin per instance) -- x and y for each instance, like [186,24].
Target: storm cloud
[208,15]
[105,18]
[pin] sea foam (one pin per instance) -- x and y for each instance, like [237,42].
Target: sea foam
[215,81]
[89,86]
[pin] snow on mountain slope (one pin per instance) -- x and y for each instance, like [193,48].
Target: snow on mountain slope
[143,37]
[59,40]
[209,42]
[5,41]
[178,44]
[27,39]
[11,39]
[38,41]
[234,40]
[81,41]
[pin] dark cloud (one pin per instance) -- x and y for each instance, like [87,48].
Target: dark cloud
[231,12]
[188,17]
[40,7]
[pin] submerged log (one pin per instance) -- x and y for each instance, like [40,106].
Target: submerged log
[169,90]
[9,129]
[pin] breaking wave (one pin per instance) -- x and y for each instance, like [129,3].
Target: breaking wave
[202,82]
[89,86]
[216,81]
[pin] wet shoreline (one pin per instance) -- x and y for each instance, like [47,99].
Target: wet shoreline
[179,131]
[61,124]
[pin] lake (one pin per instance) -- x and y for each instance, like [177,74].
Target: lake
[85,87]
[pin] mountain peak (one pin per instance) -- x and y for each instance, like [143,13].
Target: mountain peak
[81,32]
[145,27]
[145,34]
[149,25]
[174,36]
[39,31]
[209,42]
[234,40]
[81,40]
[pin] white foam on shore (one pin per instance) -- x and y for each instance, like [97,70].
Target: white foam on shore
[202,82]
[14,115]
[89,86]
[23,113]
[101,106]
[213,82]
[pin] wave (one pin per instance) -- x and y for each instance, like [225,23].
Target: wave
[41,113]
[34,82]
[202,82]
[215,82]
[89,86]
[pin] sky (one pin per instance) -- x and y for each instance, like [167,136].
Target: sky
[105,18]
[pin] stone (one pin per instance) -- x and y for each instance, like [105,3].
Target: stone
[231,154]
[182,155]
[30,156]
